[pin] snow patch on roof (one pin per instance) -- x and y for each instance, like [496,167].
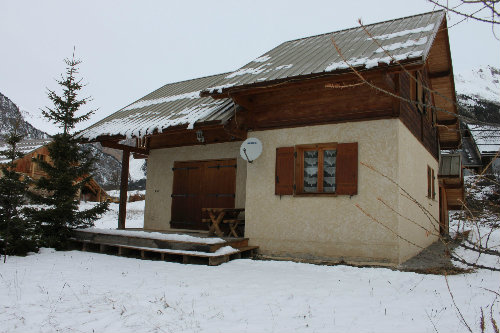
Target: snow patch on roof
[403,33]
[24,147]
[487,138]
[248,70]
[406,44]
[148,102]
[141,124]
[371,62]
[218,89]
[264,58]
[283,67]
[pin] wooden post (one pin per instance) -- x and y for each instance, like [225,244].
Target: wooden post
[122,213]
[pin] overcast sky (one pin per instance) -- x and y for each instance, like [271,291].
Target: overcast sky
[130,48]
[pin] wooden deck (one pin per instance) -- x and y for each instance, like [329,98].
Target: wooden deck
[187,252]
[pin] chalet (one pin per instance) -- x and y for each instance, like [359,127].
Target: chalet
[351,124]
[480,148]
[35,150]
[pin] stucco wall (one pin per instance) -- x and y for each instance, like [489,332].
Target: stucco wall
[419,219]
[331,227]
[160,178]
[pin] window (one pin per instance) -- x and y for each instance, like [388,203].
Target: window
[431,179]
[420,94]
[317,169]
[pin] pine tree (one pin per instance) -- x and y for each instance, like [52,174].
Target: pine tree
[17,232]
[68,169]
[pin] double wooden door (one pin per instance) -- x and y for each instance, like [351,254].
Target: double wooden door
[199,184]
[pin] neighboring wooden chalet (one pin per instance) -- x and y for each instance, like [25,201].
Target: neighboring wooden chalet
[480,149]
[35,150]
[349,166]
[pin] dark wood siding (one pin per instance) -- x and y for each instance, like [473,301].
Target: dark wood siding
[419,124]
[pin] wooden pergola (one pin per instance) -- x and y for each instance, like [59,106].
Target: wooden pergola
[140,151]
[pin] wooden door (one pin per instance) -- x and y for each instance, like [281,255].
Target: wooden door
[200,184]
[219,184]
[186,199]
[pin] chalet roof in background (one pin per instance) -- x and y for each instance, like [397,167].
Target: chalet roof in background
[171,105]
[408,38]
[25,147]
[487,138]
[450,166]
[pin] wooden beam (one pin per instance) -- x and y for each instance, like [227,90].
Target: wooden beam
[139,156]
[450,144]
[122,213]
[392,81]
[116,145]
[344,74]
[452,186]
[441,74]
[447,122]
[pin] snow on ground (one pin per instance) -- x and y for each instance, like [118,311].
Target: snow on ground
[135,215]
[84,292]
[135,169]
[72,291]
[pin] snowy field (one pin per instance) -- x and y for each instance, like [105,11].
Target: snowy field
[86,292]
[135,215]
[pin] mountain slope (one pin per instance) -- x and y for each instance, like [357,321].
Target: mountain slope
[478,94]
[9,113]
[105,165]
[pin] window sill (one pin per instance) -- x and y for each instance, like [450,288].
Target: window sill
[315,194]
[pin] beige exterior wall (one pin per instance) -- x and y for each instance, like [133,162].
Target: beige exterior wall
[335,227]
[423,229]
[326,227]
[160,178]
[330,228]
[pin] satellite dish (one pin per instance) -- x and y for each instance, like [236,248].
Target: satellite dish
[251,149]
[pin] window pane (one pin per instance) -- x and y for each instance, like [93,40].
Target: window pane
[329,167]
[311,171]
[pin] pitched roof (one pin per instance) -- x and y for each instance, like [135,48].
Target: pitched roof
[408,38]
[25,147]
[173,104]
[179,103]
[487,138]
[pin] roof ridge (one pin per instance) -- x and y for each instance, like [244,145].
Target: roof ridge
[365,25]
[197,78]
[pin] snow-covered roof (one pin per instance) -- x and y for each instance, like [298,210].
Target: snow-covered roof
[171,105]
[25,147]
[487,138]
[408,38]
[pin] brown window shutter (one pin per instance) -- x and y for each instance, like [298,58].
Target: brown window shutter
[347,168]
[433,188]
[284,171]
[429,182]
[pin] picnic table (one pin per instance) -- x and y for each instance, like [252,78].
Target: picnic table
[223,215]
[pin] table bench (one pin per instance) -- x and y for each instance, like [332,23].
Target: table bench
[217,216]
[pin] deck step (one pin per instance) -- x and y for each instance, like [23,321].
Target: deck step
[184,256]
[104,238]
